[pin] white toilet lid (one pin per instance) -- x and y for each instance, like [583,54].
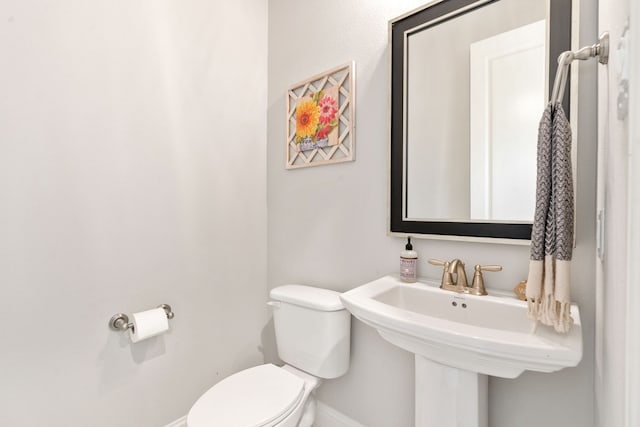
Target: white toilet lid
[254,397]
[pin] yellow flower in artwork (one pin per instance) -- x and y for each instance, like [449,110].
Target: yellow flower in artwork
[307,118]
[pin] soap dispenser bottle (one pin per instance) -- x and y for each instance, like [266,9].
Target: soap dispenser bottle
[408,263]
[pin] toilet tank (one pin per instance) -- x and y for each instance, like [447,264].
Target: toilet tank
[313,329]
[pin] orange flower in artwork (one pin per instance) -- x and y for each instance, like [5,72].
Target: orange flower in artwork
[307,118]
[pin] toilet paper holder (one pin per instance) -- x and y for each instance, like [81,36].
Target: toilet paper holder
[120,321]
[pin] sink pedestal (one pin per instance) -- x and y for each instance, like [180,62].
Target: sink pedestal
[449,397]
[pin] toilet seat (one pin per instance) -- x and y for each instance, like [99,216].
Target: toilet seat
[256,397]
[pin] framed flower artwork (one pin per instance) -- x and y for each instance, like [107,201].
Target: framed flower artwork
[320,119]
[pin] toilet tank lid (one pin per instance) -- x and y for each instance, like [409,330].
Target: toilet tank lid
[308,296]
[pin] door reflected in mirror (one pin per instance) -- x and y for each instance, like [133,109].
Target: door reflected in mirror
[473,104]
[506,97]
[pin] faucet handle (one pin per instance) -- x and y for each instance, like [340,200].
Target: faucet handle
[447,279]
[477,286]
[490,267]
[433,261]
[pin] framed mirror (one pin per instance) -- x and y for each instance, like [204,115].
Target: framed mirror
[469,81]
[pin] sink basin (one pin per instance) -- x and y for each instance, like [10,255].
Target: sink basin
[488,335]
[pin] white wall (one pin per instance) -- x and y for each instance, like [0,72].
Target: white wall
[633,268]
[327,225]
[611,374]
[132,173]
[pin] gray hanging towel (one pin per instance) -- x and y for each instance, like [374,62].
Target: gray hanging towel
[549,282]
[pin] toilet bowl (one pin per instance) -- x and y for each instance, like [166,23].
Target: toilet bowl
[312,334]
[262,396]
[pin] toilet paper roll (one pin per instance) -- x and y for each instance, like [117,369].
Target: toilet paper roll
[147,324]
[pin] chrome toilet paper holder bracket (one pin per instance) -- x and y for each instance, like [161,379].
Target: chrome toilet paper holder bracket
[120,321]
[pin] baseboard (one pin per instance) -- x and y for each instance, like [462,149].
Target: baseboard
[180,422]
[326,416]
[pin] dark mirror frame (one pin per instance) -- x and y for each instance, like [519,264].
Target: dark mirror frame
[559,41]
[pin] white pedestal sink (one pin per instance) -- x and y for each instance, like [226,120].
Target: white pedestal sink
[458,340]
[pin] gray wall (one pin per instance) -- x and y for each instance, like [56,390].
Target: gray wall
[132,173]
[327,225]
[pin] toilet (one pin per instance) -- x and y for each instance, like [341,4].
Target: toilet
[313,332]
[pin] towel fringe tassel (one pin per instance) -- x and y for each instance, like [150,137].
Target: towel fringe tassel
[564,321]
[550,312]
[533,308]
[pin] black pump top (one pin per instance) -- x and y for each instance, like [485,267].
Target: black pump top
[409,247]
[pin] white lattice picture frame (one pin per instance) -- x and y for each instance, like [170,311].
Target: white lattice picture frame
[320,119]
